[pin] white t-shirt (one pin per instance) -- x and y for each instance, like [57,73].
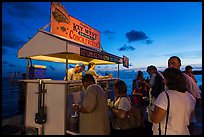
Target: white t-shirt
[122,103]
[152,79]
[181,107]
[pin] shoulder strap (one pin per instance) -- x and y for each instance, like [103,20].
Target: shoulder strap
[128,100]
[167,115]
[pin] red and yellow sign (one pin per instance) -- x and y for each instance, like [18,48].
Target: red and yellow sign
[69,27]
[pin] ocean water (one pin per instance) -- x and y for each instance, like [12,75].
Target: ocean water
[10,105]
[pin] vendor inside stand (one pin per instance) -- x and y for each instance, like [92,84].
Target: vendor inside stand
[76,72]
[91,70]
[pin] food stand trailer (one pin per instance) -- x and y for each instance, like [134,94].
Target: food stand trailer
[49,102]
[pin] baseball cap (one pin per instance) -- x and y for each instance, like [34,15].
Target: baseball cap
[80,64]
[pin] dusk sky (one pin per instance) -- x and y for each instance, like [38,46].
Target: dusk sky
[148,33]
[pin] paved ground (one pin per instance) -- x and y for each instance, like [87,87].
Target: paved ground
[9,129]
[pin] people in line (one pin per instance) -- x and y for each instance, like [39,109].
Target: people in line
[188,71]
[121,106]
[94,117]
[181,88]
[76,72]
[192,87]
[182,104]
[175,62]
[139,85]
[155,84]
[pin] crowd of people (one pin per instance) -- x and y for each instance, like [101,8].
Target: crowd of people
[183,93]
[172,97]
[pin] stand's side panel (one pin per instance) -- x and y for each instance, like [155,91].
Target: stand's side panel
[31,106]
[56,103]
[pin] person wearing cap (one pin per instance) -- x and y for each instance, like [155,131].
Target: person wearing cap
[76,72]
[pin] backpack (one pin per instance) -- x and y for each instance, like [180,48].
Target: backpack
[158,85]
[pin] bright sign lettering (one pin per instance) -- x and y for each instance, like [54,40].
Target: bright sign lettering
[69,27]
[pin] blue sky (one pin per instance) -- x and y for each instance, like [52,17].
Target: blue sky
[146,32]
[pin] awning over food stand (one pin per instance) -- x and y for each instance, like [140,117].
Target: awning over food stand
[46,46]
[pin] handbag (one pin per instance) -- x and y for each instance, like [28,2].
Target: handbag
[131,120]
[167,115]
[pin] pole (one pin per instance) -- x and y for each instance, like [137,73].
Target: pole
[118,72]
[66,62]
[66,66]
[27,68]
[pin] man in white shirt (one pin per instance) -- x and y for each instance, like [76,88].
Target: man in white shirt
[192,87]
[76,72]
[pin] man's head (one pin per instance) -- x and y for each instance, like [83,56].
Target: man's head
[87,80]
[188,69]
[174,62]
[79,67]
[151,69]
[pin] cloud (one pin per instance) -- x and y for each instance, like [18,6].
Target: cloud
[5,62]
[12,41]
[196,66]
[24,10]
[130,64]
[188,54]
[51,67]
[7,27]
[138,36]
[125,47]
[148,41]
[8,64]
[4,51]
[9,39]
[108,32]
[12,65]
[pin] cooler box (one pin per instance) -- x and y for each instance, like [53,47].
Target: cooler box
[37,72]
